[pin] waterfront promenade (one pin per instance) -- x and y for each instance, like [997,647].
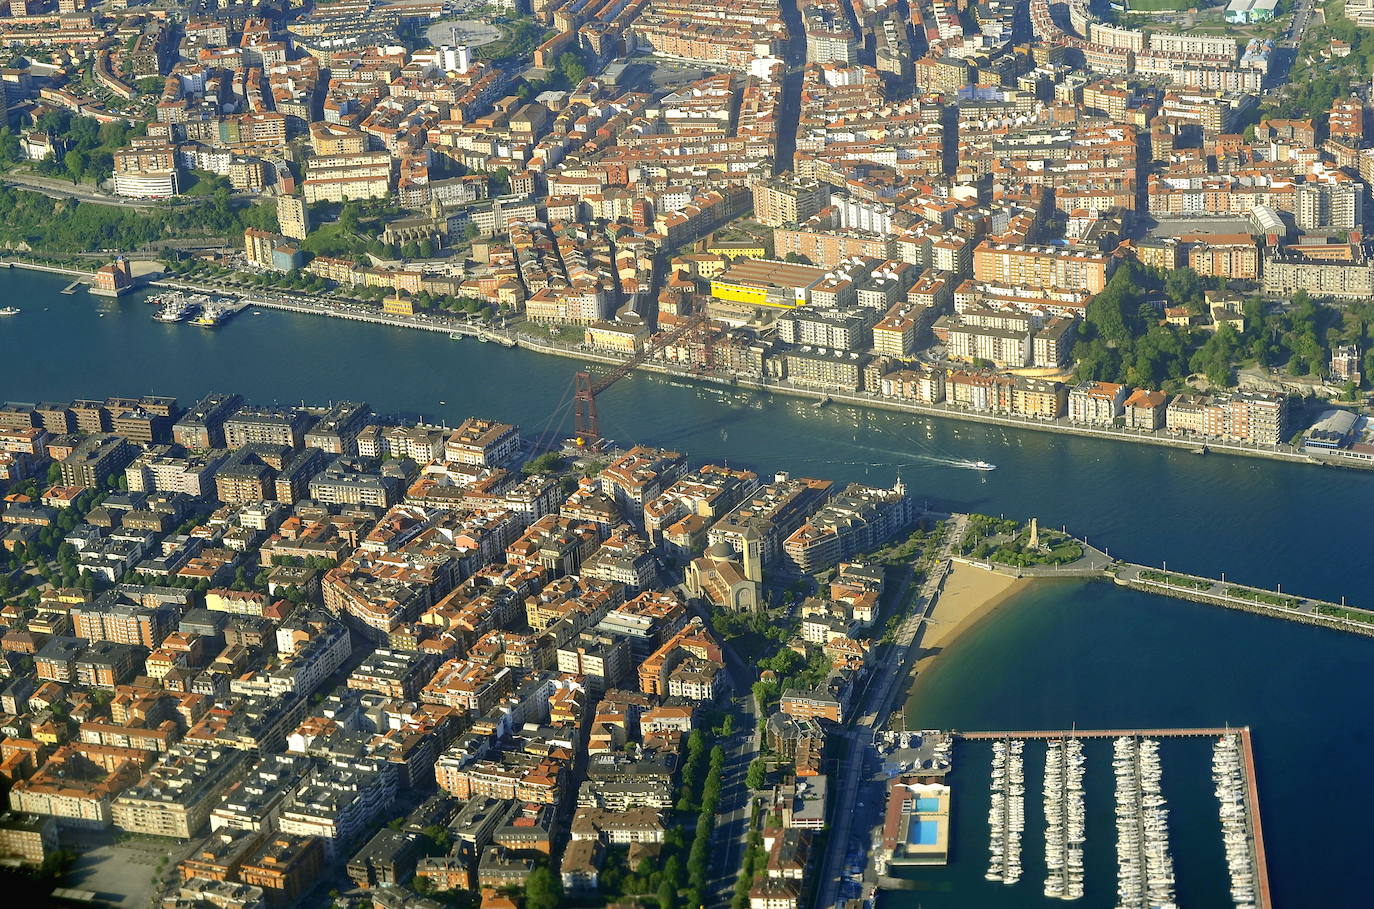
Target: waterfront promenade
[1242,596]
[513,337]
[873,707]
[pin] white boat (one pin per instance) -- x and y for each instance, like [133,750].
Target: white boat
[175,309]
[983,465]
[10,311]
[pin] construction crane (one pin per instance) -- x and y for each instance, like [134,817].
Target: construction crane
[586,425]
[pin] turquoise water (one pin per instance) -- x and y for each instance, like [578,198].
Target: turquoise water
[923,833]
[1085,653]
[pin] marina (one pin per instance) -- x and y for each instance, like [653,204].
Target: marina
[1065,818]
[214,312]
[1140,816]
[1145,869]
[199,309]
[1007,816]
[1228,772]
[177,308]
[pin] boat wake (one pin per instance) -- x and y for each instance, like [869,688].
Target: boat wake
[961,463]
[913,458]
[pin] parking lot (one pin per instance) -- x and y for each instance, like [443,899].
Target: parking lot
[471,32]
[121,873]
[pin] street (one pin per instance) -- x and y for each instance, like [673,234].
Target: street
[65,189]
[872,713]
[732,817]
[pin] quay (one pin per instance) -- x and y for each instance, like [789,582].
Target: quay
[422,323]
[511,338]
[1263,900]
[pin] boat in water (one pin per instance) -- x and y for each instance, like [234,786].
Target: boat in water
[175,308]
[215,311]
[10,311]
[982,465]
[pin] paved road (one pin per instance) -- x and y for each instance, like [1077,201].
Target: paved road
[65,189]
[874,706]
[730,838]
[1302,18]
[732,816]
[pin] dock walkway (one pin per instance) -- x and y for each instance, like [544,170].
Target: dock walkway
[1200,732]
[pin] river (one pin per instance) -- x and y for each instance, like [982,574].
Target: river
[1085,653]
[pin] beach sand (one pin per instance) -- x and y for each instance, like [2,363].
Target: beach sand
[970,594]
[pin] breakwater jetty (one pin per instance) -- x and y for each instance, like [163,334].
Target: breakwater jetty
[1095,563]
[1244,597]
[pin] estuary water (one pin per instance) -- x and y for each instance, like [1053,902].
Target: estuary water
[1059,654]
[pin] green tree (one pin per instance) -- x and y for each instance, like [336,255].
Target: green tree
[571,66]
[548,462]
[543,889]
[667,895]
[114,134]
[672,871]
[756,774]
[1114,312]
[348,217]
[1184,286]
[11,151]
[75,161]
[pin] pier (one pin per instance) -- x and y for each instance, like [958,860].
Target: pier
[71,288]
[1065,818]
[1263,899]
[1007,816]
[1206,732]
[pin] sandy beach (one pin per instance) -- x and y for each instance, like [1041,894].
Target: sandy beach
[970,594]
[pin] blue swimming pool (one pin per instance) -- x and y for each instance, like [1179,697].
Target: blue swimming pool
[924,805]
[923,833]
